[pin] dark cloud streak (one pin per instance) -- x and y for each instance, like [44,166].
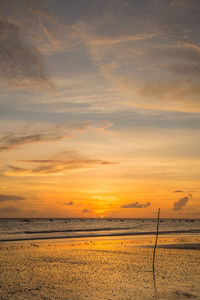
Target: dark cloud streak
[178,205]
[136,205]
[69,203]
[56,166]
[86,211]
[15,140]
[9,209]
[4,198]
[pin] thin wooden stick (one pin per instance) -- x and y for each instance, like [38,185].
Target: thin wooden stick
[154,250]
[154,253]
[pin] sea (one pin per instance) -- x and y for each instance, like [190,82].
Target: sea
[20,229]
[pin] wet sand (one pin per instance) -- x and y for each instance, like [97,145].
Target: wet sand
[100,269]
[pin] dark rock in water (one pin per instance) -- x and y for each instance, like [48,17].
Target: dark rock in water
[51,220]
[26,220]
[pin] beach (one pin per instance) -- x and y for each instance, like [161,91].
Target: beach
[97,268]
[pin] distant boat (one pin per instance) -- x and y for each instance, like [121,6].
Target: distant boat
[26,220]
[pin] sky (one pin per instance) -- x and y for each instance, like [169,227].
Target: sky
[100,108]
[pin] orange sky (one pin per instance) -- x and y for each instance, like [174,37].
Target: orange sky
[99,106]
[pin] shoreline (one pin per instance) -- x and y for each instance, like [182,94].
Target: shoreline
[170,241]
[129,235]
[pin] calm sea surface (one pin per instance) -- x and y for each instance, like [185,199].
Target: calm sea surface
[41,229]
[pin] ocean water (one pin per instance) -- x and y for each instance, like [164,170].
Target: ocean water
[43,229]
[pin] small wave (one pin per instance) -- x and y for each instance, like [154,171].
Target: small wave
[109,229]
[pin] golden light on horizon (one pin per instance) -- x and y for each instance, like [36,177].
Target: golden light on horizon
[100,116]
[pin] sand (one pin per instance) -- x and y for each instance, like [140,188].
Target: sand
[100,269]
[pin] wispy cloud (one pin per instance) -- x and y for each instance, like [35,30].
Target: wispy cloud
[15,140]
[45,167]
[178,191]
[136,205]
[93,40]
[21,65]
[182,3]
[9,209]
[4,197]
[156,63]
[173,81]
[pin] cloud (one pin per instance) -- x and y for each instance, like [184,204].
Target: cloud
[21,65]
[52,161]
[28,34]
[4,198]
[178,205]
[173,81]
[45,167]
[178,191]
[155,62]
[136,205]
[181,3]
[69,203]
[9,209]
[93,40]
[85,211]
[15,140]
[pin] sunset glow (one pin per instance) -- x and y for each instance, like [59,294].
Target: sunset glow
[100,109]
